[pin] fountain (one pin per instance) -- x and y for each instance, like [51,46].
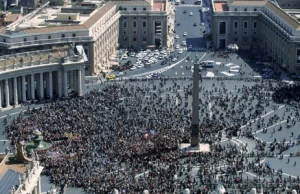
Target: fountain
[38,142]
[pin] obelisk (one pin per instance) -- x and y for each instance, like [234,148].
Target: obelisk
[195,107]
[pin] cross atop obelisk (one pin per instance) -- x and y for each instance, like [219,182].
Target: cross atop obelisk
[195,107]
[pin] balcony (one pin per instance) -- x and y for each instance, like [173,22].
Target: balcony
[45,41]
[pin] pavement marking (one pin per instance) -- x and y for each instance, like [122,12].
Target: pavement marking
[162,69]
[234,70]
[229,64]
[218,63]
[251,174]
[4,140]
[252,121]
[270,126]
[228,74]
[210,74]
[235,67]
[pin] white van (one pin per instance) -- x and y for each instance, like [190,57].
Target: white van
[208,63]
[177,2]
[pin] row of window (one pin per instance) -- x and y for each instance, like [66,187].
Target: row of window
[49,37]
[134,39]
[295,5]
[236,24]
[244,39]
[134,32]
[134,9]
[245,9]
[245,33]
[134,24]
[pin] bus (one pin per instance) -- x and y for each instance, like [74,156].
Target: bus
[208,63]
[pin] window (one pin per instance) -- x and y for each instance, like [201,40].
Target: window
[245,39]
[144,39]
[49,37]
[63,35]
[125,24]
[235,39]
[254,33]
[245,33]
[254,25]
[125,32]
[144,24]
[134,32]
[125,9]
[222,28]
[144,9]
[235,33]
[4,40]
[235,9]
[125,38]
[245,25]
[144,18]
[74,35]
[298,55]
[134,24]
[69,17]
[134,38]
[25,39]
[144,32]
[35,38]
[245,9]
[134,9]
[254,9]
[236,24]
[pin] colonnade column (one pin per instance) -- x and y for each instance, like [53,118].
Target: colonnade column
[7,93]
[23,88]
[0,94]
[32,87]
[15,91]
[41,86]
[50,85]
[79,82]
[65,86]
[59,80]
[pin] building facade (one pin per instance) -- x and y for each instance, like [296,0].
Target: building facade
[258,24]
[40,75]
[97,28]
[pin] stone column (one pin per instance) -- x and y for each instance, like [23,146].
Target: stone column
[28,89]
[75,78]
[1,94]
[11,90]
[41,86]
[65,86]
[19,83]
[71,78]
[195,108]
[15,91]
[50,85]
[59,80]
[7,93]
[23,88]
[79,82]
[32,87]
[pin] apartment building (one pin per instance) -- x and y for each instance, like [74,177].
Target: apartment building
[259,24]
[95,26]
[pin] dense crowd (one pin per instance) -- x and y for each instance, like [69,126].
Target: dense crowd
[126,137]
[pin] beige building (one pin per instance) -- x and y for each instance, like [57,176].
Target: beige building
[258,24]
[95,26]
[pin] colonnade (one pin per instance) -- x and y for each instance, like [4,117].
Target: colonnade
[40,85]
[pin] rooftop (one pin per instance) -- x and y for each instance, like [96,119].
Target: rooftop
[159,6]
[220,7]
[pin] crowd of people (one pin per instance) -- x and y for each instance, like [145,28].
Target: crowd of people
[126,137]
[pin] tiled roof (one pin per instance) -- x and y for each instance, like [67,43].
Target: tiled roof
[248,3]
[283,15]
[54,29]
[99,14]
